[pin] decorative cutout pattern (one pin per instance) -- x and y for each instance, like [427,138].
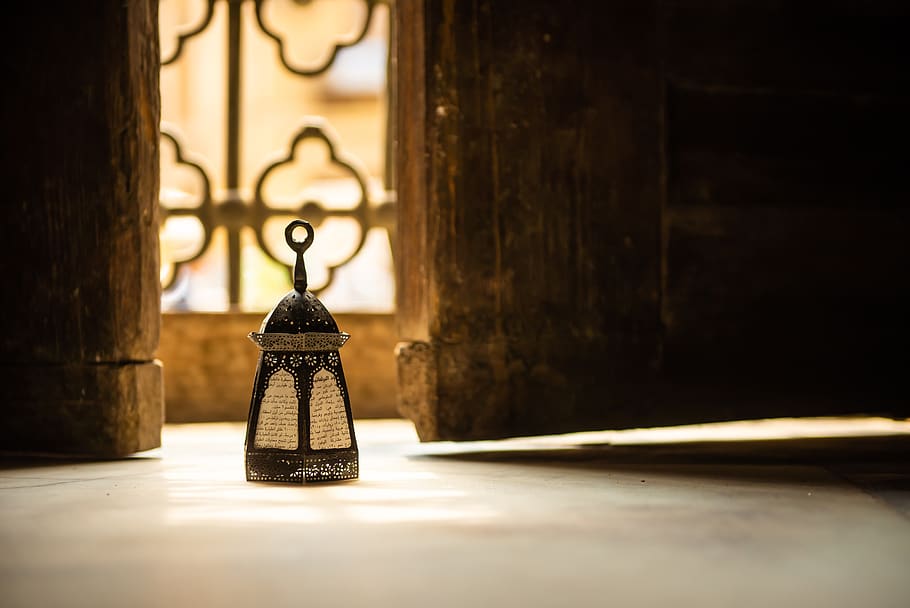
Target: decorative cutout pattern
[204,212]
[363,213]
[264,466]
[299,342]
[233,211]
[319,382]
[331,467]
[279,41]
[184,36]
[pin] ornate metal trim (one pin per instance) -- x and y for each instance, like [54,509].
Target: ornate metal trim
[292,342]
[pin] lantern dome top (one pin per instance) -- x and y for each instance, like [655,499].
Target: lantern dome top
[298,313]
[300,321]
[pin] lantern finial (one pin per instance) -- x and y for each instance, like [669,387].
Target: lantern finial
[300,282]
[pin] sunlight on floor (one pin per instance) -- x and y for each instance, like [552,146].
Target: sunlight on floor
[214,453]
[205,474]
[745,430]
[777,428]
[727,514]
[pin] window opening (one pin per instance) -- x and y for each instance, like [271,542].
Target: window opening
[275,109]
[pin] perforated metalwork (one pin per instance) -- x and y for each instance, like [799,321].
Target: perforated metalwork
[262,466]
[299,342]
[305,463]
[299,313]
[331,467]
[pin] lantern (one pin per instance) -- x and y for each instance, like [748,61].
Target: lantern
[300,426]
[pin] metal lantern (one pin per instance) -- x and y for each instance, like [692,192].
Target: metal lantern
[300,426]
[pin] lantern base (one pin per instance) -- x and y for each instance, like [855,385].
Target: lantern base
[269,466]
[337,465]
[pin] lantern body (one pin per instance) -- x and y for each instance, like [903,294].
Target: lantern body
[300,426]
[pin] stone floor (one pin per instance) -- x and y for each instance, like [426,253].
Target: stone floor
[774,513]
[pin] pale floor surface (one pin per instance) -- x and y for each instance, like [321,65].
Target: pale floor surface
[656,518]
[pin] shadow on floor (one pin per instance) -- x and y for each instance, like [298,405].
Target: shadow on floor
[818,451]
[879,465]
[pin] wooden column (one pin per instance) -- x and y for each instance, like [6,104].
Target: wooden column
[79,253]
[528,160]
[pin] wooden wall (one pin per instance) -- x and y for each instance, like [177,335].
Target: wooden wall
[634,213]
[787,203]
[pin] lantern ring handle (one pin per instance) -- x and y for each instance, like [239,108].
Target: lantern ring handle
[300,282]
[299,246]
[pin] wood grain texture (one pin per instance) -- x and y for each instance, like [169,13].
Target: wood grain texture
[671,212]
[105,410]
[541,213]
[412,273]
[80,247]
[80,192]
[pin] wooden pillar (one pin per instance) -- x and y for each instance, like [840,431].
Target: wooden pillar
[625,214]
[79,251]
[528,178]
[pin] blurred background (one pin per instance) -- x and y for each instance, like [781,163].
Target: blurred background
[237,85]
